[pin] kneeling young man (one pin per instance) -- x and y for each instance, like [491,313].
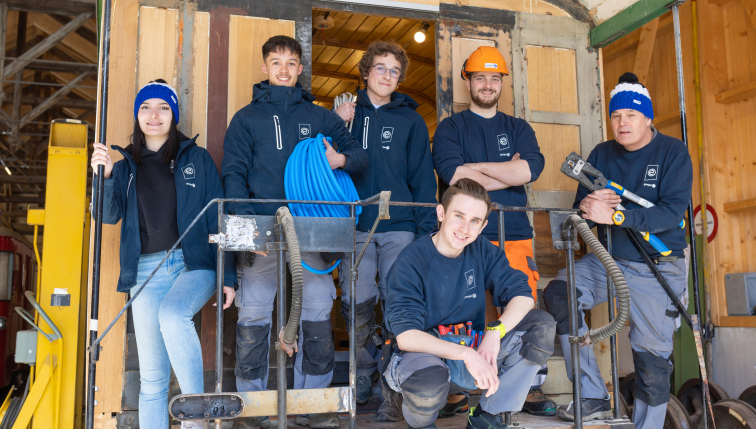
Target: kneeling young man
[440,279]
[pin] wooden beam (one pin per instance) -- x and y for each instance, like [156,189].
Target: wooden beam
[352,78]
[3,33]
[61,66]
[663,120]
[718,2]
[430,62]
[645,51]
[627,21]
[750,8]
[57,7]
[740,206]
[736,94]
[45,45]
[76,47]
[31,180]
[65,102]
[22,200]
[50,101]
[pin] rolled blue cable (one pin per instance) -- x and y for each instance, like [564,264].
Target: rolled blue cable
[308,176]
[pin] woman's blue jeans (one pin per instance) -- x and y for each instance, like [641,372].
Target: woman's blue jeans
[165,333]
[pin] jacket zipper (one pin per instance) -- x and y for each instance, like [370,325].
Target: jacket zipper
[279,144]
[131,176]
[365,133]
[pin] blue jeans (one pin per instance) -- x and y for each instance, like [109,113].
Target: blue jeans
[165,333]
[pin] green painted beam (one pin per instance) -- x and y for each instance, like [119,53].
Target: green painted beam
[627,21]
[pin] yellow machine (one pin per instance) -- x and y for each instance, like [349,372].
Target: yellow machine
[55,395]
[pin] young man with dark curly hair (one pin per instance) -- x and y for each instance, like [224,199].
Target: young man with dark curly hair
[395,138]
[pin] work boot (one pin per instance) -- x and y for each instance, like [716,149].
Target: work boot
[593,409]
[538,404]
[479,419]
[364,389]
[251,423]
[390,409]
[455,404]
[325,420]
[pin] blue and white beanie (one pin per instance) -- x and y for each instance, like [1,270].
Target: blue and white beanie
[630,94]
[158,89]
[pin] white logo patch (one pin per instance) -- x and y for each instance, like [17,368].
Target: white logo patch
[304,131]
[637,102]
[386,134]
[174,99]
[470,278]
[473,296]
[491,66]
[503,141]
[188,172]
[652,173]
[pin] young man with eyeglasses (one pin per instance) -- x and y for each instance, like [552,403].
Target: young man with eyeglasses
[395,138]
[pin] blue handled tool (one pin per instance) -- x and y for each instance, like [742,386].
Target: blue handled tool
[577,168]
[622,192]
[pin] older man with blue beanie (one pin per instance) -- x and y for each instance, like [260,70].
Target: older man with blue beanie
[657,168]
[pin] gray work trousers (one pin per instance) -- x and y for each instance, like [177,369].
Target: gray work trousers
[379,256]
[255,301]
[652,325]
[424,379]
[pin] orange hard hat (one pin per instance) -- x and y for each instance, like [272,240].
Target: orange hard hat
[484,59]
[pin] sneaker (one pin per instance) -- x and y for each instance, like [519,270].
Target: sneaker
[326,420]
[251,423]
[364,389]
[538,404]
[593,409]
[455,404]
[479,419]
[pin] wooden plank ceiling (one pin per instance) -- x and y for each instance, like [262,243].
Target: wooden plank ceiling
[336,53]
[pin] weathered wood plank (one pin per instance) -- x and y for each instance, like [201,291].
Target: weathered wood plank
[645,51]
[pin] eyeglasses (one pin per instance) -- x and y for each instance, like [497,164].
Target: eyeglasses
[381,70]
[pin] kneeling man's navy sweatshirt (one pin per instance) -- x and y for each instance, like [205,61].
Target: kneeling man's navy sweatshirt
[427,289]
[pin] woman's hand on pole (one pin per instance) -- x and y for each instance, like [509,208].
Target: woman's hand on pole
[100,156]
[230,294]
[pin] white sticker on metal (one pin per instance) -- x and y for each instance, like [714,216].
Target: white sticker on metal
[578,167]
[93,325]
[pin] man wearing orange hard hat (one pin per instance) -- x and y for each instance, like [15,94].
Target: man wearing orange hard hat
[501,153]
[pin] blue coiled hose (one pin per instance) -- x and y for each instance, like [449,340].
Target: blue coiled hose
[308,176]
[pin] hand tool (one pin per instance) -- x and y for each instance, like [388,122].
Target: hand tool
[577,168]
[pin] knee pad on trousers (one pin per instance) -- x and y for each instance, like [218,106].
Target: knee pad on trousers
[363,319]
[252,351]
[425,391]
[538,340]
[317,348]
[652,374]
[555,299]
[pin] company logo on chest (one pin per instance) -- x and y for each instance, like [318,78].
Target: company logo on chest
[502,140]
[387,133]
[189,172]
[652,175]
[305,132]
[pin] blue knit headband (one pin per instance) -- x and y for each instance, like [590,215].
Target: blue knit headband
[631,96]
[158,90]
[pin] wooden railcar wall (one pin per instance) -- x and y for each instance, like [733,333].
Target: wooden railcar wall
[727,49]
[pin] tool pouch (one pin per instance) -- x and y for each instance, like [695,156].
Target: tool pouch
[457,369]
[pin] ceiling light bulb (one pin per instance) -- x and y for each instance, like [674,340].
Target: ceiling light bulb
[420,37]
[7,170]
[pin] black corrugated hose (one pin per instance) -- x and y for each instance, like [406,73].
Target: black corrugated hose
[620,285]
[283,217]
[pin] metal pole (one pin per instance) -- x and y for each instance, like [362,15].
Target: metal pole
[281,354]
[219,316]
[691,226]
[613,339]
[353,330]
[570,236]
[94,351]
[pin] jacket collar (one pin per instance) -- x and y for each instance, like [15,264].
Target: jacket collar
[397,100]
[185,144]
[264,92]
